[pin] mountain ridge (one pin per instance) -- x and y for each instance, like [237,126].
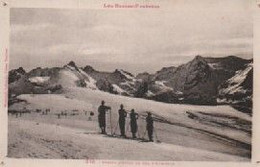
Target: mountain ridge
[196,82]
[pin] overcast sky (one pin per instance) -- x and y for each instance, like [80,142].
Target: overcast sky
[134,40]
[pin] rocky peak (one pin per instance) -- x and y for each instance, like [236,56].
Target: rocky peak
[117,71]
[72,64]
[167,69]
[229,64]
[165,73]
[144,74]
[16,74]
[88,68]
[20,70]
[199,58]
[122,74]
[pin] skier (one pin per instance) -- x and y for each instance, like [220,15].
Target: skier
[133,118]
[149,126]
[102,109]
[122,115]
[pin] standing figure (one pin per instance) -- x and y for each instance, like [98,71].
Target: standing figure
[46,112]
[122,115]
[149,126]
[91,115]
[133,122]
[102,109]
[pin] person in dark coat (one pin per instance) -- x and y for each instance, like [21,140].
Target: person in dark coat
[149,126]
[102,109]
[122,115]
[133,122]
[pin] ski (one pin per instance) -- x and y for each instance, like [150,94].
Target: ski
[125,137]
[130,138]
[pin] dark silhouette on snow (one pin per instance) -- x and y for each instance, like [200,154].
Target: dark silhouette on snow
[149,126]
[102,109]
[133,122]
[122,115]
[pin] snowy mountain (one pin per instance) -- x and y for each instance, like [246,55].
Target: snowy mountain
[165,73]
[117,82]
[238,89]
[203,80]
[195,82]
[51,80]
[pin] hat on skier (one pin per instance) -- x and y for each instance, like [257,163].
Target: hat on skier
[102,102]
[121,106]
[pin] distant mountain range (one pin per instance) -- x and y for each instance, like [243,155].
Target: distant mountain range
[204,80]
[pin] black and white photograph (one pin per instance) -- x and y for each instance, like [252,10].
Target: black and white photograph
[132,82]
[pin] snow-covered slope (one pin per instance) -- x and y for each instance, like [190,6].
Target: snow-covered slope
[84,143]
[235,84]
[39,80]
[117,82]
[50,80]
[214,128]
[71,76]
[56,103]
[90,82]
[238,89]
[162,86]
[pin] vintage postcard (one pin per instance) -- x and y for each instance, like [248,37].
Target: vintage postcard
[121,83]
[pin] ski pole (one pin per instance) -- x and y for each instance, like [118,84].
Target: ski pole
[116,127]
[144,133]
[138,135]
[156,135]
[127,128]
[111,128]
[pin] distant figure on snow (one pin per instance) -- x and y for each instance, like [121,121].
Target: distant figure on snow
[122,115]
[133,122]
[91,115]
[102,109]
[149,126]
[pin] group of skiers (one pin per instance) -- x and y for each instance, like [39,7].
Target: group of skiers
[122,119]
